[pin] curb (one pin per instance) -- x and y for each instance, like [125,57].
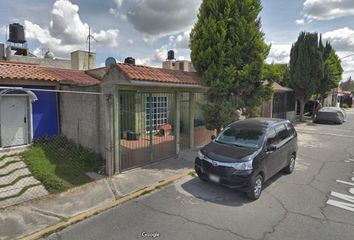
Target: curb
[82,216]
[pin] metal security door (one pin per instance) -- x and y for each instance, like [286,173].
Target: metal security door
[146,128]
[279,105]
[14,120]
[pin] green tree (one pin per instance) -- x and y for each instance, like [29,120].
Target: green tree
[306,67]
[228,51]
[332,71]
[277,72]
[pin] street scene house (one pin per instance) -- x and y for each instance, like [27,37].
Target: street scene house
[147,114]
[282,104]
[29,102]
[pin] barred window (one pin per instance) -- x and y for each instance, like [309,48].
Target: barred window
[158,107]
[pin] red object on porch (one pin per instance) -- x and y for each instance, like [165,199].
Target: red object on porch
[165,129]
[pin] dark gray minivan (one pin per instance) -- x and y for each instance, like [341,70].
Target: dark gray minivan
[247,153]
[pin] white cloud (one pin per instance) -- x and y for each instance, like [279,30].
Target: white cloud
[119,3]
[320,10]
[341,39]
[279,53]
[67,32]
[348,66]
[108,38]
[131,41]
[118,12]
[160,54]
[3,30]
[300,21]
[143,61]
[157,18]
[182,40]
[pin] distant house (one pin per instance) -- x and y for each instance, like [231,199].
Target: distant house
[29,105]
[338,97]
[282,105]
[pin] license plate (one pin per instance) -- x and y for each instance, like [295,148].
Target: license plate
[214,178]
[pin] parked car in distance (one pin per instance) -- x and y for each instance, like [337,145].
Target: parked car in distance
[330,115]
[247,153]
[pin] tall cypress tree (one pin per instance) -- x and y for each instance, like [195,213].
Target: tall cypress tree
[306,67]
[228,50]
[332,70]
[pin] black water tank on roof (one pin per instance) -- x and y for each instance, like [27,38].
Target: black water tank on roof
[171,55]
[130,60]
[17,33]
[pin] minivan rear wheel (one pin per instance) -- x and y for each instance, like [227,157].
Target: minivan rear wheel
[291,166]
[256,188]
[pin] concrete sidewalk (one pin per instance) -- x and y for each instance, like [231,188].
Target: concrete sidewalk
[19,221]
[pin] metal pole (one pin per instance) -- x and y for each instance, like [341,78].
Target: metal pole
[150,126]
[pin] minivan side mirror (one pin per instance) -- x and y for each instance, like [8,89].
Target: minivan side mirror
[212,137]
[271,148]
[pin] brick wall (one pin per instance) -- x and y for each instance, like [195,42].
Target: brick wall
[202,136]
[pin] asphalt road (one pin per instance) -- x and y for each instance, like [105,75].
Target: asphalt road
[296,206]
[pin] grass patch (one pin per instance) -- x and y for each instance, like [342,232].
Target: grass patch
[60,163]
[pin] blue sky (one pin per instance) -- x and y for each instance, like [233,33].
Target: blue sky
[147,29]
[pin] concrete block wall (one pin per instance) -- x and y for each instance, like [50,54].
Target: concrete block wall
[82,117]
[44,62]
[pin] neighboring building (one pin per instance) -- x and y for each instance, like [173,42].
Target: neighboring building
[179,65]
[16,50]
[80,60]
[282,105]
[29,106]
[337,97]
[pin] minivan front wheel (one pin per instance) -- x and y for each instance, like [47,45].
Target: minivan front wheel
[200,174]
[256,188]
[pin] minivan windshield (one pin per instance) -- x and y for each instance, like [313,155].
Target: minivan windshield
[241,137]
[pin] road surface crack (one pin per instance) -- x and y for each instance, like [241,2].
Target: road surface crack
[280,221]
[196,222]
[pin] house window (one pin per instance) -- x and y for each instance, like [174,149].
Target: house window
[158,107]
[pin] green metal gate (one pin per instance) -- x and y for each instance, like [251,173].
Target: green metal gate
[146,128]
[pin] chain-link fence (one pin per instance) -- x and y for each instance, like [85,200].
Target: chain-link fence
[50,141]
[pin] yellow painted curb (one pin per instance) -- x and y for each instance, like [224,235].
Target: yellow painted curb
[77,218]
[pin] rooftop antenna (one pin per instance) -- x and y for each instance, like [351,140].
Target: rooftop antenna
[89,39]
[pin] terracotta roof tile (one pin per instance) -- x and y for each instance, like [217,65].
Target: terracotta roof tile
[143,73]
[78,77]
[24,71]
[13,70]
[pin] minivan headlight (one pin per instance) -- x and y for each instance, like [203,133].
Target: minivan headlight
[243,166]
[201,155]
